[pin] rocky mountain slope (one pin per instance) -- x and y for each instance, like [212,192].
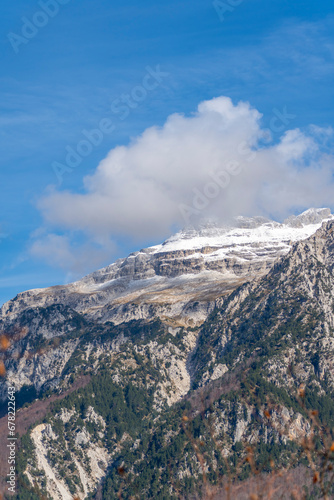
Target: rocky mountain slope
[179,279]
[180,282]
[168,406]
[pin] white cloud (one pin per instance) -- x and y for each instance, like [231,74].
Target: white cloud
[141,190]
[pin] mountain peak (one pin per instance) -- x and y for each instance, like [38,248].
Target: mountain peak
[193,266]
[310,216]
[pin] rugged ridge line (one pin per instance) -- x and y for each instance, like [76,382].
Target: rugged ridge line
[179,280]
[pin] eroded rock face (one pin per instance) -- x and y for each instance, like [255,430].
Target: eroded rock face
[89,465]
[180,279]
[38,369]
[293,304]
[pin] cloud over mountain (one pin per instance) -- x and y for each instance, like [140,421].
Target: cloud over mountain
[217,162]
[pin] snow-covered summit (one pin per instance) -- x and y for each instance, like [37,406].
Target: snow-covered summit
[253,231]
[309,217]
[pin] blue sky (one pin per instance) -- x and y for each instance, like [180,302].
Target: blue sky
[273,54]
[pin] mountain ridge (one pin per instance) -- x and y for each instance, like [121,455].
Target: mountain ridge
[181,278]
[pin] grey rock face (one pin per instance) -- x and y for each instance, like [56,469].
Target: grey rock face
[180,279]
[288,313]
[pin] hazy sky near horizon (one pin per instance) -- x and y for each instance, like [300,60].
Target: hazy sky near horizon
[120,120]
